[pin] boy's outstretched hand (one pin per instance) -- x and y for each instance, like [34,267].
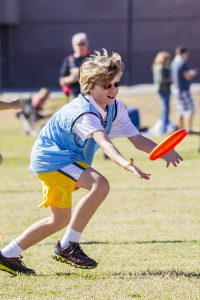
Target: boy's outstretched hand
[173,158]
[133,168]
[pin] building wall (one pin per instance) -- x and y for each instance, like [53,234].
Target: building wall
[136,29]
[162,25]
[43,38]
[9,12]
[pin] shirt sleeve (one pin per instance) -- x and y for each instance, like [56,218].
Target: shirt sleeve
[122,125]
[86,125]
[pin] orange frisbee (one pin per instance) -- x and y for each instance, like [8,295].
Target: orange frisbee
[168,144]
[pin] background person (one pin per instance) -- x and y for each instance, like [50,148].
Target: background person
[162,80]
[182,76]
[70,70]
[15,104]
[32,109]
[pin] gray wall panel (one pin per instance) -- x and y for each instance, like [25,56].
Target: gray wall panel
[73,10]
[166,8]
[39,52]
[9,12]
[165,35]
[138,29]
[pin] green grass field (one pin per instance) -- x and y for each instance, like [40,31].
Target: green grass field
[145,236]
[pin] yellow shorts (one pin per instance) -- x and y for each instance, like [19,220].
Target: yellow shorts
[59,185]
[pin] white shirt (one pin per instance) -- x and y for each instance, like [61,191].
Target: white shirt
[89,123]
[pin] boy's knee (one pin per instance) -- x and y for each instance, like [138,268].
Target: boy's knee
[102,184]
[59,223]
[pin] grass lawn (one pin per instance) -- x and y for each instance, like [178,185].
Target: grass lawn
[145,236]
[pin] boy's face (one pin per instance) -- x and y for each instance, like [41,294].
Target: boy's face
[105,95]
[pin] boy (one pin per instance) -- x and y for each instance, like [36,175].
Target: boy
[62,157]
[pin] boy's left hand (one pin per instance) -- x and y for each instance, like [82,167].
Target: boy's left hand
[173,158]
[133,168]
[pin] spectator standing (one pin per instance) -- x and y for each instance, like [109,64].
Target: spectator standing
[162,80]
[70,70]
[182,75]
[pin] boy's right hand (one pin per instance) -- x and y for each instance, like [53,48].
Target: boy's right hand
[133,168]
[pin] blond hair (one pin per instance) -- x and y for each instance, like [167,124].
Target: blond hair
[161,58]
[99,69]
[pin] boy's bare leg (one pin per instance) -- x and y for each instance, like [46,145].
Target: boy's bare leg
[68,249]
[98,187]
[59,219]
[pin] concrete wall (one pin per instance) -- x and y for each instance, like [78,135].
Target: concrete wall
[137,29]
[162,25]
[9,12]
[43,38]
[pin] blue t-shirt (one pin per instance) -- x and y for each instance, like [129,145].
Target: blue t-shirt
[178,67]
[58,145]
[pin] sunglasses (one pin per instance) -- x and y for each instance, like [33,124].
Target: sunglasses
[109,86]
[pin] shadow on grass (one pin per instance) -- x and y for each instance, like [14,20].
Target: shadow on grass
[4,242]
[169,273]
[83,274]
[138,242]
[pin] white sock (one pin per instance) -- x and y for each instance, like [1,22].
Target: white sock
[70,236]
[11,250]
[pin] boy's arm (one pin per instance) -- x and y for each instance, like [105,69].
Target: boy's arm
[146,145]
[15,104]
[103,140]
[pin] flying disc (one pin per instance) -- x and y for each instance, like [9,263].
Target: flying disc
[168,144]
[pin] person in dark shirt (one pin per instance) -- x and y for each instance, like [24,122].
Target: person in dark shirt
[182,75]
[69,72]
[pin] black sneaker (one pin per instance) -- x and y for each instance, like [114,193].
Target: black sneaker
[14,266]
[74,256]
